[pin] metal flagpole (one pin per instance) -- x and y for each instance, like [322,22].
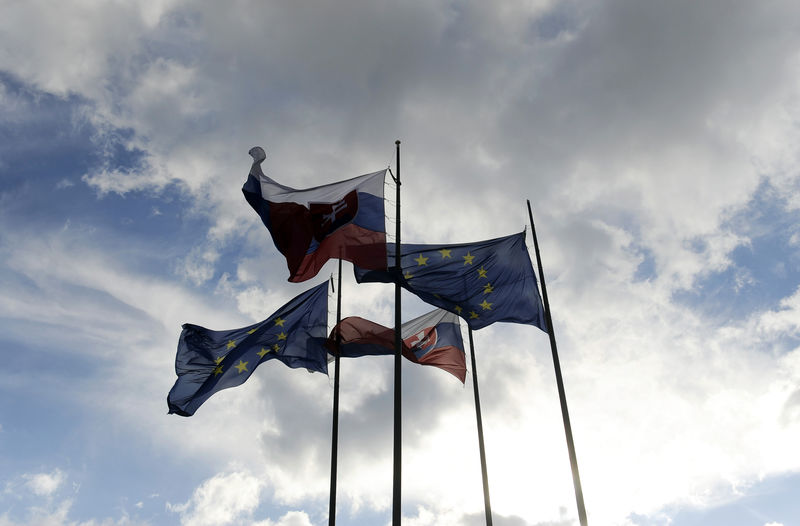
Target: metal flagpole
[335,427]
[487,505]
[573,460]
[398,352]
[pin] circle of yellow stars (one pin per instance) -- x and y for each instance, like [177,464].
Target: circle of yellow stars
[241,366]
[469,259]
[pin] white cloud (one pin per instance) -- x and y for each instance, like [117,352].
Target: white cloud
[292,518]
[224,499]
[45,484]
[64,183]
[58,514]
[95,33]
[46,510]
[64,258]
[783,321]
[198,266]
[45,517]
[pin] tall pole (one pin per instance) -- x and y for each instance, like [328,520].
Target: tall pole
[487,505]
[398,352]
[573,459]
[335,427]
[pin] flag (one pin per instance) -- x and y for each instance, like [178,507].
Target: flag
[482,282]
[432,339]
[339,220]
[209,361]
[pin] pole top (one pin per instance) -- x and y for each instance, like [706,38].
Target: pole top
[397,142]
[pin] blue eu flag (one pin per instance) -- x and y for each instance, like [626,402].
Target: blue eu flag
[482,282]
[209,361]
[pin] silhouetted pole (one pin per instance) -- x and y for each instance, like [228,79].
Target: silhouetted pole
[398,352]
[335,430]
[573,459]
[487,505]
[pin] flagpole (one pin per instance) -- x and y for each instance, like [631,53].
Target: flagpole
[335,426]
[398,351]
[573,459]
[487,505]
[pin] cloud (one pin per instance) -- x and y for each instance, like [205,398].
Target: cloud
[199,265]
[47,510]
[223,499]
[427,517]
[58,514]
[64,183]
[68,32]
[292,518]
[61,260]
[45,484]
[51,517]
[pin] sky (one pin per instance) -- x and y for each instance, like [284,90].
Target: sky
[658,143]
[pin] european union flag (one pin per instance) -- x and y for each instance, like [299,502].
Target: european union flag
[209,361]
[482,282]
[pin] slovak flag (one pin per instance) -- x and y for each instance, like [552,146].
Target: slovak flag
[339,220]
[432,339]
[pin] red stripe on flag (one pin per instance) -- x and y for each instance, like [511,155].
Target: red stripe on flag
[353,243]
[449,358]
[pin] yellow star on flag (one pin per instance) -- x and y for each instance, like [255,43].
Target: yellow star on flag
[217,370]
[219,360]
[486,305]
[468,259]
[421,260]
[458,309]
[262,352]
[241,366]
[279,322]
[473,315]
[251,331]
[282,336]
[231,344]
[488,288]
[276,347]
[482,272]
[408,275]
[445,252]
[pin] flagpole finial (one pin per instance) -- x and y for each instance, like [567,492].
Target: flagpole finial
[397,142]
[258,154]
